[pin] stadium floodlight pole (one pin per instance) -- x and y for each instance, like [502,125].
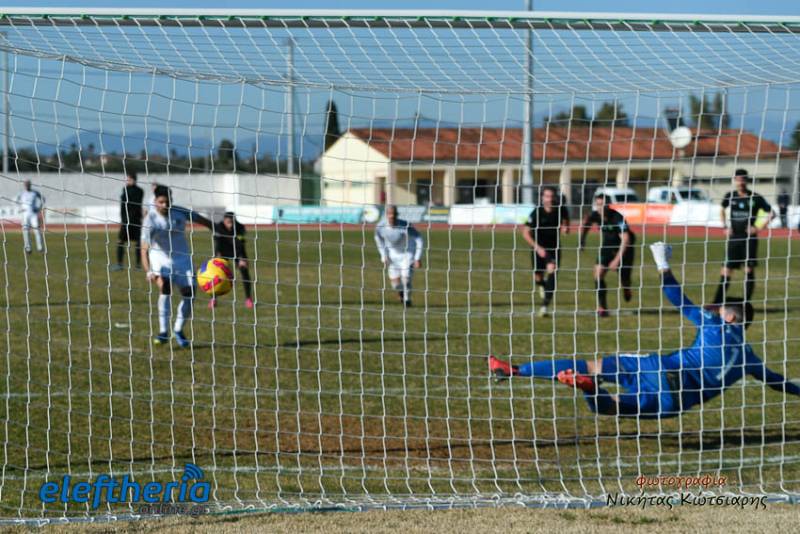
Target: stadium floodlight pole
[290,105]
[6,117]
[527,171]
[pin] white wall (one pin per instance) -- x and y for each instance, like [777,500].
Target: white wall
[93,199]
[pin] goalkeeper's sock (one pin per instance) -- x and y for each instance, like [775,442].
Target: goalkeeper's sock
[750,285]
[184,313]
[549,369]
[601,294]
[722,290]
[164,312]
[549,288]
[120,253]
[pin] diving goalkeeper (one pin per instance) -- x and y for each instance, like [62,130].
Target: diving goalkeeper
[664,386]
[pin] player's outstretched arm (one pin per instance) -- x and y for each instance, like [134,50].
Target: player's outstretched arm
[199,219]
[662,253]
[756,368]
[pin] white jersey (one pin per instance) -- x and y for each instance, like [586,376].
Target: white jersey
[30,202]
[168,234]
[395,242]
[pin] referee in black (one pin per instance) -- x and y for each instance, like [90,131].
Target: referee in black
[541,231]
[130,214]
[229,244]
[616,250]
[741,249]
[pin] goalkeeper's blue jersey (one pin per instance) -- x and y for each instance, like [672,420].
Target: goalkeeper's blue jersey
[718,357]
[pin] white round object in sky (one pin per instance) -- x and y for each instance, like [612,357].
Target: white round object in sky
[680,137]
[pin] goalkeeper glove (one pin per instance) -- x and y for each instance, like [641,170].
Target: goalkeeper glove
[661,255]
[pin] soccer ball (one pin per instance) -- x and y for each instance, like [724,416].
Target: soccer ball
[215,277]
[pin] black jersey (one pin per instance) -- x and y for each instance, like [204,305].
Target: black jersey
[744,210]
[612,225]
[131,204]
[545,225]
[229,243]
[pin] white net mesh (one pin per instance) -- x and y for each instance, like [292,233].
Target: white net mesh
[328,392]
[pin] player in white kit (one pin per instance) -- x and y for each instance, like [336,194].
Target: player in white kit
[167,260]
[30,204]
[400,247]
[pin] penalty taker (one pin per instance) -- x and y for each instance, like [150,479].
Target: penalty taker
[665,386]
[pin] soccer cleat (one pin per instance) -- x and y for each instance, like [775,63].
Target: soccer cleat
[407,303]
[543,312]
[627,294]
[28,250]
[212,304]
[181,339]
[116,267]
[500,369]
[249,304]
[161,339]
[602,312]
[582,382]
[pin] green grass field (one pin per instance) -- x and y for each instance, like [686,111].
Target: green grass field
[329,391]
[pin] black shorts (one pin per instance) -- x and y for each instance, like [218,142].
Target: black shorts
[741,251]
[608,254]
[130,232]
[539,264]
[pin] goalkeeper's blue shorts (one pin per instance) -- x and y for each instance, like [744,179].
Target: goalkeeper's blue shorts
[657,388]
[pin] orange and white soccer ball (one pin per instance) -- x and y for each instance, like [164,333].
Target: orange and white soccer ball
[215,277]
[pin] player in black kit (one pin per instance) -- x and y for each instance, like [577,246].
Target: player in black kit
[229,244]
[616,250]
[131,220]
[541,231]
[742,245]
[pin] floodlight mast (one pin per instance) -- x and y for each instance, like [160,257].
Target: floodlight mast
[527,171]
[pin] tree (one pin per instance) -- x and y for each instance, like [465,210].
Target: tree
[610,114]
[576,117]
[226,154]
[794,144]
[332,131]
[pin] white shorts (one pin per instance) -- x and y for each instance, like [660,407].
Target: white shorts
[30,220]
[177,269]
[401,266]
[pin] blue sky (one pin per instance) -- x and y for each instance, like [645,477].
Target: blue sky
[38,121]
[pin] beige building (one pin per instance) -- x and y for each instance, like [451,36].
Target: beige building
[449,166]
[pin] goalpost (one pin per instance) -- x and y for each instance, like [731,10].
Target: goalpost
[328,393]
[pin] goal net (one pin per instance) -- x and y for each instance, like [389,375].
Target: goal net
[319,388]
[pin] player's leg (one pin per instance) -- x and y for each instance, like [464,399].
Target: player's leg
[646,391]
[602,291]
[247,282]
[546,369]
[549,266]
[406,277]
[735,254]
[26,238]
[135,234]
[749,270]
[164,308]
[626,273]
[122,241]
[539,267]
[183,277]
[160,265]
[37,232]
[394,278]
